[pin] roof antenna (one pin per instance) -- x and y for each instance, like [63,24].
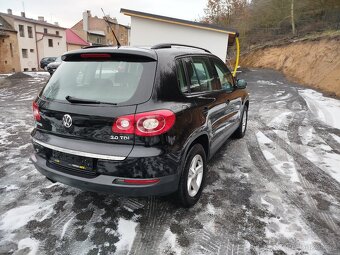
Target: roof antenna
[109,24]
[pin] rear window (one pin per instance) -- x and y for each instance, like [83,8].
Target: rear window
[116,82]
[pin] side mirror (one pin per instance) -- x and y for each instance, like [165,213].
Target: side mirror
[241,84]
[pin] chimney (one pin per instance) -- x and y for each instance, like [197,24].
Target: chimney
[9,11]
[56,23]
[41,18]
[23,14]
[86,16]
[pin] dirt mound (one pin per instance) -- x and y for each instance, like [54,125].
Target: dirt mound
[314,63]
[19,75]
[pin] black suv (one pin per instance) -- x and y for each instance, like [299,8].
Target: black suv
[137,121]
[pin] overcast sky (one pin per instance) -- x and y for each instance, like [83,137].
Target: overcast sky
[69,12]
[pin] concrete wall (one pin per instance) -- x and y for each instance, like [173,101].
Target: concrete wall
[145,32]
[9,59]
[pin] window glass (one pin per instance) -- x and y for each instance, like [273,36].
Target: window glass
[50,42]
[24,53]
[21,31]
[29,31]
[224,75]
[181,77]
[109,81]
[199,74]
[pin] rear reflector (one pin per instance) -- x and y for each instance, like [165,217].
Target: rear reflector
[95,55]
[36,113]
[145,124]
[136,181]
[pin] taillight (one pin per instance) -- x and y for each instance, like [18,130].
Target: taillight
[145,124]
[36,113]
[124,125]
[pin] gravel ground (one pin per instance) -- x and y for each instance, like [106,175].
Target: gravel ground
[277,191]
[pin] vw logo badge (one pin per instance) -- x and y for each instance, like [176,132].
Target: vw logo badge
[67,121]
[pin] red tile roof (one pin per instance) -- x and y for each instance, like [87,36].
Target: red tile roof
[73,38]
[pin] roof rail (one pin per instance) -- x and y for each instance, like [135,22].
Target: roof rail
[169,45]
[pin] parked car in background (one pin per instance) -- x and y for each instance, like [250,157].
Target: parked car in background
[137,121]
[45,61]
[51,67]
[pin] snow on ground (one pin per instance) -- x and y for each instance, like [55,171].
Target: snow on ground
[38,74]
[263,82]
[324,108]
[127,232]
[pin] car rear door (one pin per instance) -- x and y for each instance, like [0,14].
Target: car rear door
[209,97]
[231,97]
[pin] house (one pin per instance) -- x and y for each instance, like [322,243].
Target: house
[74,41]
[9,54]
[96,31]
[36,39]
[151,29]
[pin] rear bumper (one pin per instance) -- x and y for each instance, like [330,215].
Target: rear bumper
[104,183]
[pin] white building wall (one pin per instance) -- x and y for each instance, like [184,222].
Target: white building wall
[25,42]
[145,32]
[59,42]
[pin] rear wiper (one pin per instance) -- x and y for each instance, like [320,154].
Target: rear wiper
[75,100]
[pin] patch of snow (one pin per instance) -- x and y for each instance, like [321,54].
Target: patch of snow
[20,216]
[324,108]
[261,138]
[9,187]
[169,244]
[336,138]
[37,74]
[127,232]
[66,225]
[32,244]
[280,121]
[211,209]
[266,82]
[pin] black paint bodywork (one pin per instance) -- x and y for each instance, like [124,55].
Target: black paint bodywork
[210,117]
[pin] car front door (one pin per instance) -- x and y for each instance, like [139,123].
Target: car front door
[231,97]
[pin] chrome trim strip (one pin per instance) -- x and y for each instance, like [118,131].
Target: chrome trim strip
[78,153]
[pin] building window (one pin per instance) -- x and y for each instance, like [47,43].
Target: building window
[25,69]
[45,30]
[29,32]
[11,49]
[21,31]
[50,42]
[32,50]
[57,33]
[24,53]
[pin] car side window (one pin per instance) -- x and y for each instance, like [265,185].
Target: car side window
[224,75]
[199,74]
[181,77]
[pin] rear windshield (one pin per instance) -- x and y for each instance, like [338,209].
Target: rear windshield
[115,82]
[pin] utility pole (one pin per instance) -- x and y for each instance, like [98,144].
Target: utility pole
[292,16]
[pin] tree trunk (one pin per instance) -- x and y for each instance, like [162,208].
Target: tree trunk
[292,16]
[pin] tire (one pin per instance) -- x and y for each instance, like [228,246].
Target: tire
[242,128]
[187,194]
